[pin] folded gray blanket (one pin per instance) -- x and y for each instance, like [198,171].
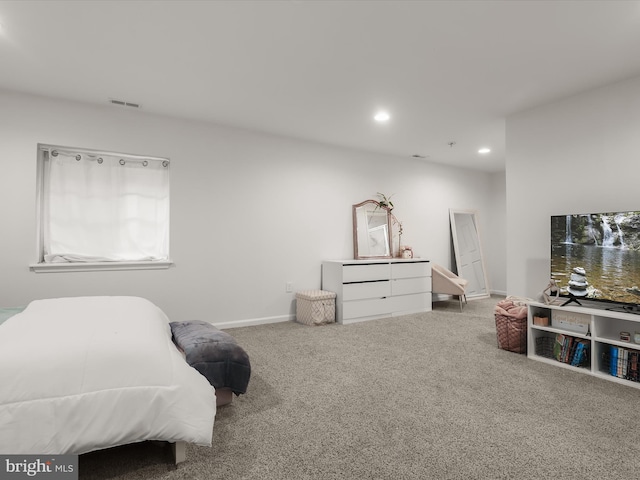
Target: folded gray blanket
[215,354]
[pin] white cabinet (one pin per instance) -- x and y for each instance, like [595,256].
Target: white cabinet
[367,289]
[608,356]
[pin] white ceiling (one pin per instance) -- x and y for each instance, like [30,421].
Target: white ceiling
[446,71]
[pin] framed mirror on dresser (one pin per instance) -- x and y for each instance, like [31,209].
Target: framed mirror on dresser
[371,230]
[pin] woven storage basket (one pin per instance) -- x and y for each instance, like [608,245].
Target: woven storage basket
[511,333]
[315,307]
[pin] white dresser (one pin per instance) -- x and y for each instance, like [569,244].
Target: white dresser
[368,289]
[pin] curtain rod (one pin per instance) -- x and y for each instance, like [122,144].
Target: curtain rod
[76,152]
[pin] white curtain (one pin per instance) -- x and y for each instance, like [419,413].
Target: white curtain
[100,208]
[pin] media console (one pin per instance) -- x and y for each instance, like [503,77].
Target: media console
[585,339]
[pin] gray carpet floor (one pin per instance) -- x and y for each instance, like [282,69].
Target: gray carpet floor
[425,396]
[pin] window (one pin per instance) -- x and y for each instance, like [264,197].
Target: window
[101,210]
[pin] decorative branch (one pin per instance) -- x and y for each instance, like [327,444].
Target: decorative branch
[385,201]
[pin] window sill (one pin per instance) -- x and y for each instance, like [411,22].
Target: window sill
[98,266]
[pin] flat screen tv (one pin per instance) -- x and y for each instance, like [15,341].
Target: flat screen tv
[596,256]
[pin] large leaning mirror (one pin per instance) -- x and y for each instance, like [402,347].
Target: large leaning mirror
[468,253]
[371,227]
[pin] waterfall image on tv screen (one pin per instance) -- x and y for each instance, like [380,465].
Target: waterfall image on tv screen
[597,256]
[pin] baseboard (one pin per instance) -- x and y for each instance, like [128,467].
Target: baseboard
[251,322]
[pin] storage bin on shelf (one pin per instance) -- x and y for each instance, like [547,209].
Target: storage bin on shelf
[544,346]
[315,307]
[511,325]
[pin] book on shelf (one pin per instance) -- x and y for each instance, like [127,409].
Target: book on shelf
[571,350]
[613,360]
[558,346]
[580,353]
[624,363]
[568,341]
[623,359]
[634,360]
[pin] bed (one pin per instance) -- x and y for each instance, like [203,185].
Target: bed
[87,373]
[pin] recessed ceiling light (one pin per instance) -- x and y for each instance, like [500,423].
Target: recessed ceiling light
[484,150]
[381,117]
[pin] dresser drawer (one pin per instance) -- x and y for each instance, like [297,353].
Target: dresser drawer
[406,286]
[366,272]
[357,291]
[409,270]
[366,308]
[418,302]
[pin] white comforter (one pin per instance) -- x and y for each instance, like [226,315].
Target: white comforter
[86,373]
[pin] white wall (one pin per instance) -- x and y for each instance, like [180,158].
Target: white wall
[578,155]
[494,240]
[249,211]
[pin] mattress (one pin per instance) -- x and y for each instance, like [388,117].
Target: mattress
[86,373]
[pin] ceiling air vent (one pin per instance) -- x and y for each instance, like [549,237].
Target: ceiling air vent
[123,103]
